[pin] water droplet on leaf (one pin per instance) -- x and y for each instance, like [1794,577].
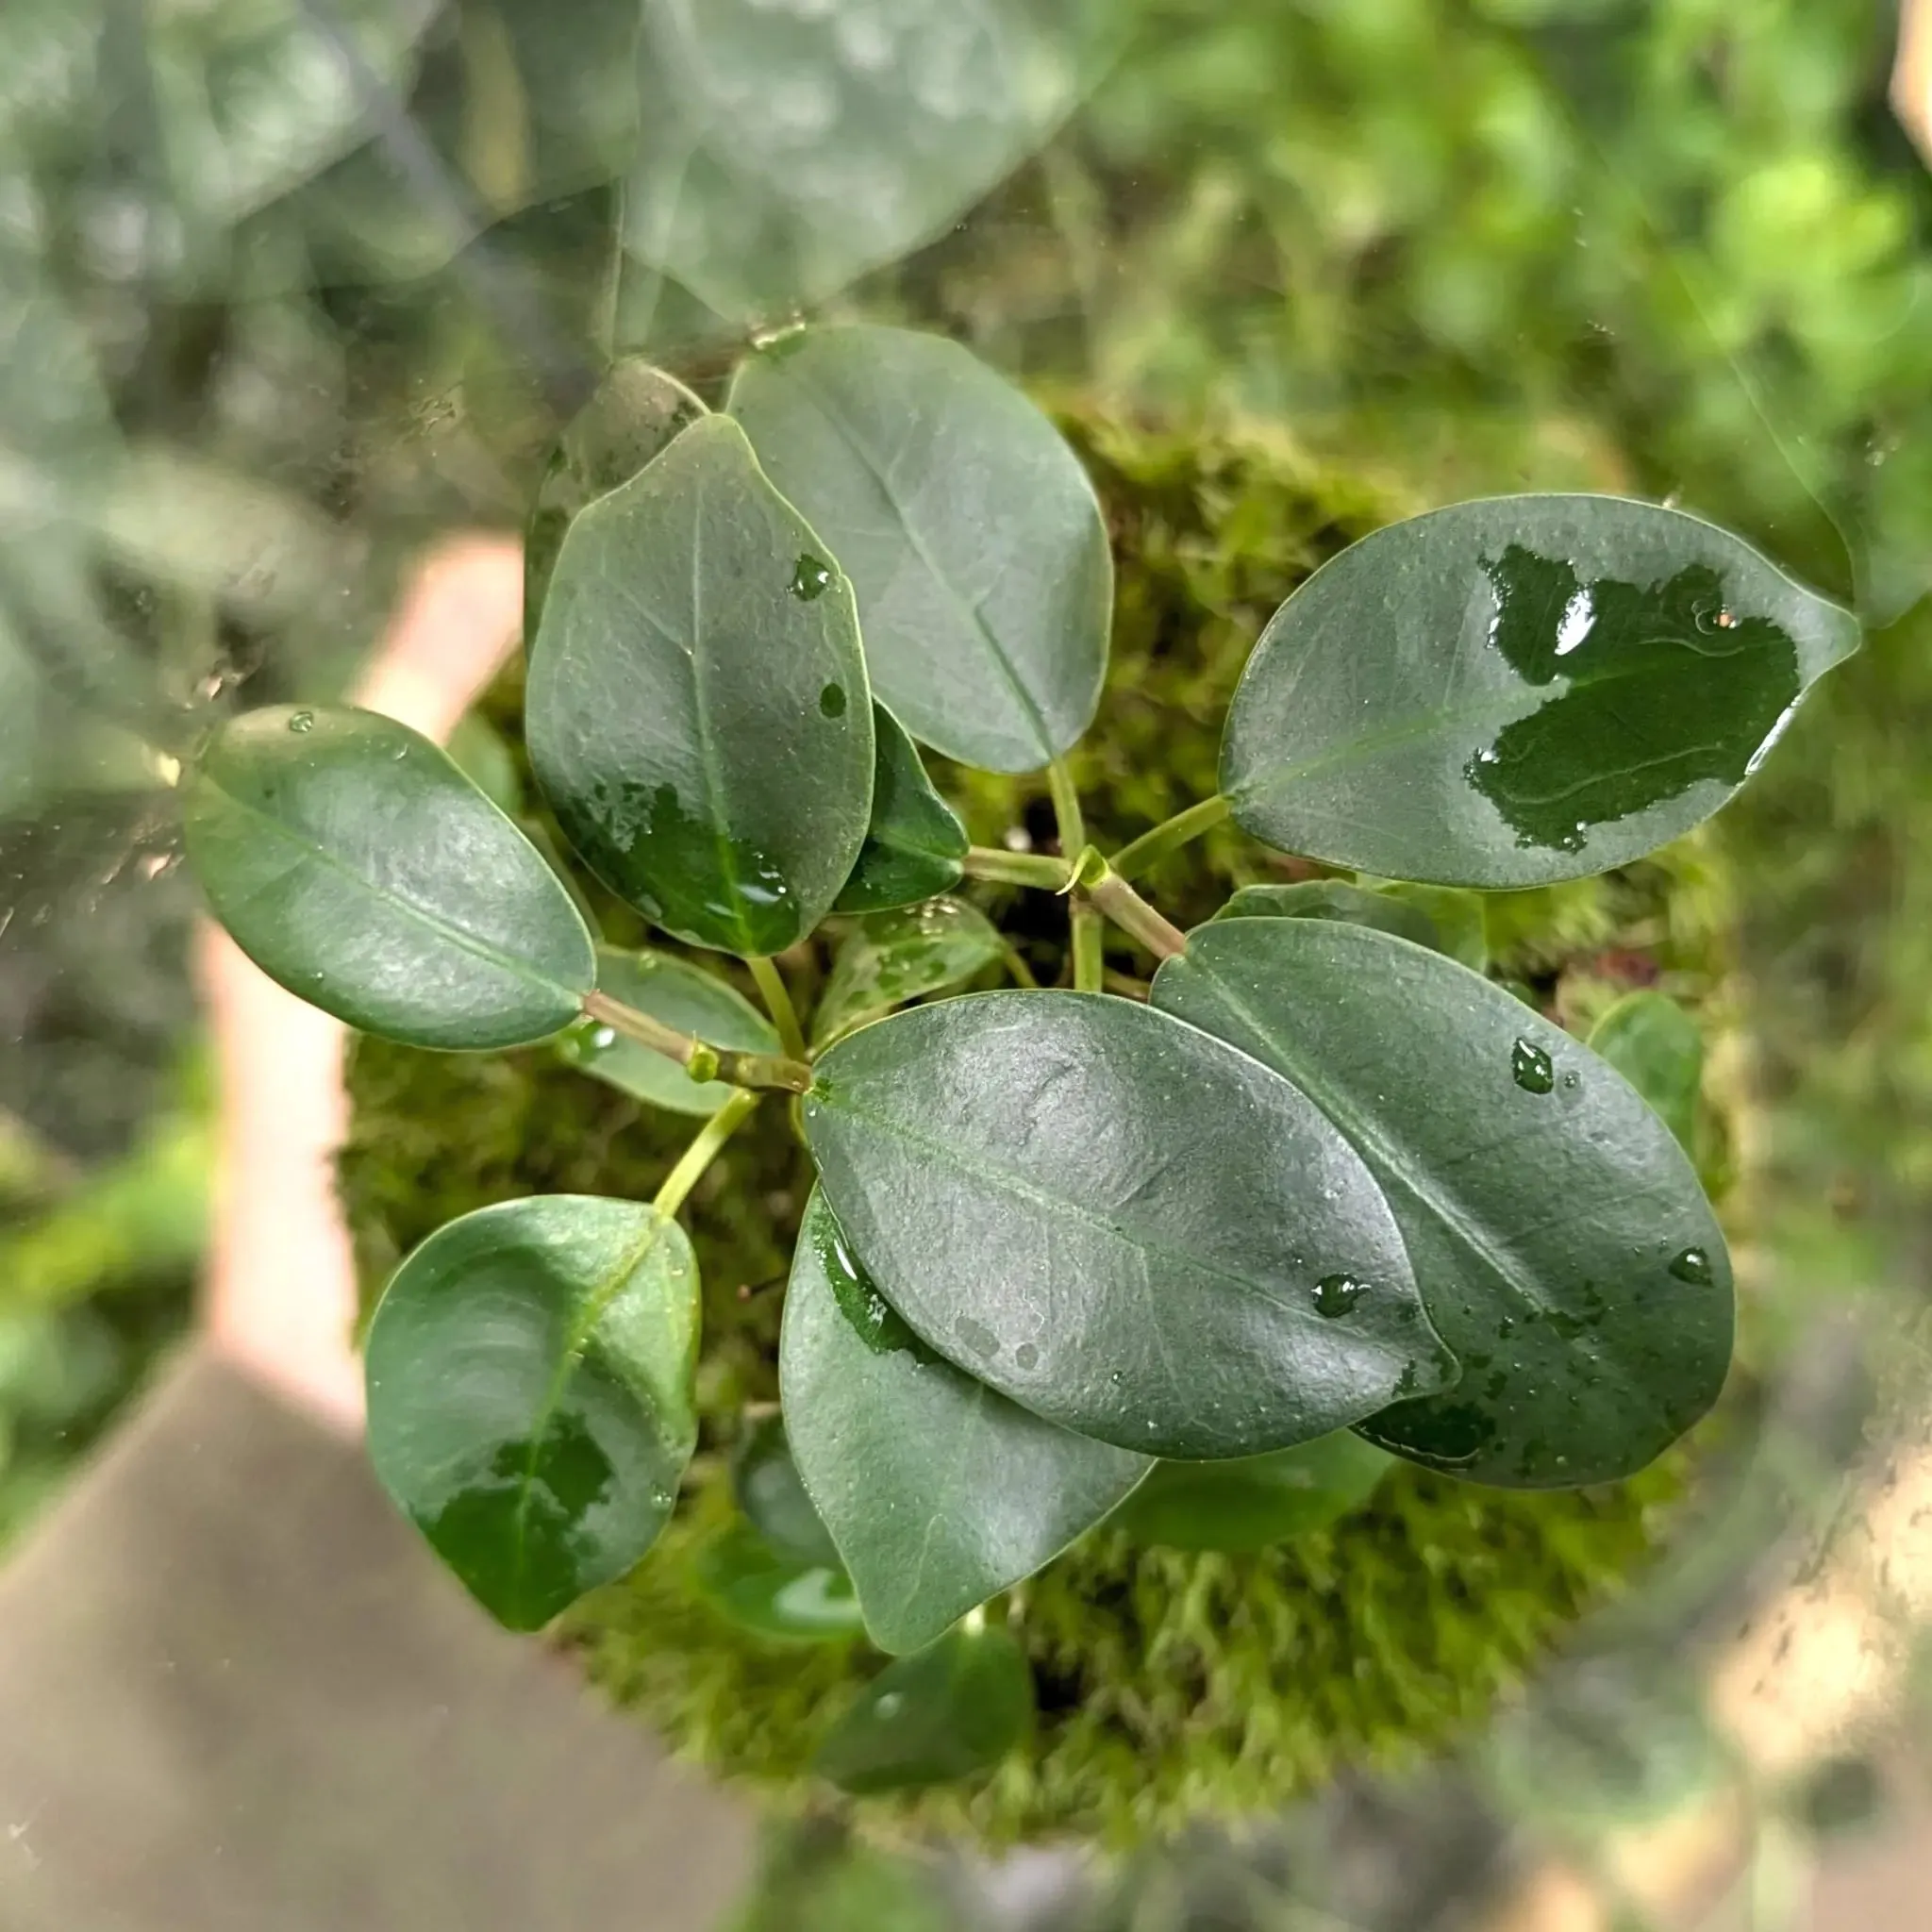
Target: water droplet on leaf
[1335,1295]
[1693,1265]
[1529,1067]
[812,577]
[302,720]
[832,701]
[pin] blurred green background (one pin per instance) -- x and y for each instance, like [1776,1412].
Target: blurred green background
[288,287]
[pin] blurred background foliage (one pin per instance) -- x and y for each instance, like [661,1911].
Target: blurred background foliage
[287,286]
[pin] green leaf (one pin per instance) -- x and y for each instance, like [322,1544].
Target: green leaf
[1560,1240]
[937,1492]
[530,1394]
[772,1593]
[766,1482]
[356,865]
[1254,1502]
[969,531]
[783,152]
[681,995]
[1657,1046]
[915,841]
[1119,1222]
[1520,690]
[636,413]
[950,1712]
[1460,918]
[1333,899]
[894,957]
[698,712]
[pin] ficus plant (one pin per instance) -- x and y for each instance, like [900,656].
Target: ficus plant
[1198,1254]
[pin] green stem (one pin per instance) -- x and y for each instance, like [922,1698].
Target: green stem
[1171,836]
[778,999]
[1017,868]
[611,298]
[1103,887]
[1089,953]
[1066,808]
[703,1150]
[699,1059]
[1017,966]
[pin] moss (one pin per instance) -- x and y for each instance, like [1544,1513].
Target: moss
[1173,1686]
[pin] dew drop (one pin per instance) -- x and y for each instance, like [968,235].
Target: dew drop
[1530,1068]
[603,1038]
[1693,1265]
[832,701]
[1026,1356]
[890,1703]
[812,577]
[302,720]
[1335,1294]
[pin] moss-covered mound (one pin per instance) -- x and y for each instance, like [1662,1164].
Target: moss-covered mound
[1170,1685]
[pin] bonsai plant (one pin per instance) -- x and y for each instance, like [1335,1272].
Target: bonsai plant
[1195,1256]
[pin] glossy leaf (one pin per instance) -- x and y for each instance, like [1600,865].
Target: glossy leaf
[1560,1240]
[894,957]
[938,1492]
[772,1496]
[1657,1046]
[681,995]
[1256,1501]
[783,152]
[1333,899]
[774,1594]
[950,1712]
[1460,918]
[697,710]
[915,841]
[969,531]
[356,865]
[1520,690]
[1119,1222]
[634,416]
[530,1406]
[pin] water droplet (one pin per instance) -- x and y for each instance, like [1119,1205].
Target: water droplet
[603,1038]
[1693,1265]
[302,720]
[1026,1356]
[1335,1295]
[1116,1378]
[832,701]
[1572,1080]
[812,577]
[891,1704]
[1529,1067]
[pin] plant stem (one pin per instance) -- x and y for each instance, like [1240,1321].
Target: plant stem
[703,1150]
[778,999]
[1017,868]
[1089,956]
[1102,887]
[1017,966]
[700,1060]
[1171,836]
[1066,808]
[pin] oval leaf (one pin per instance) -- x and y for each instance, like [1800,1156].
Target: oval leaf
[681,995]
[1165,1245]
[635,414]
[772,1594]
[766,1482]
[896,957]
[938,1492]
[1256,1501]
[969,531]
[1520,690]
[1560,1240]
[1657,1046]
[951,1713]
[697,710]
[355,864]
[915,841]
[530,1371]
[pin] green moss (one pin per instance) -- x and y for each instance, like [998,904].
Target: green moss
[1173,1686]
